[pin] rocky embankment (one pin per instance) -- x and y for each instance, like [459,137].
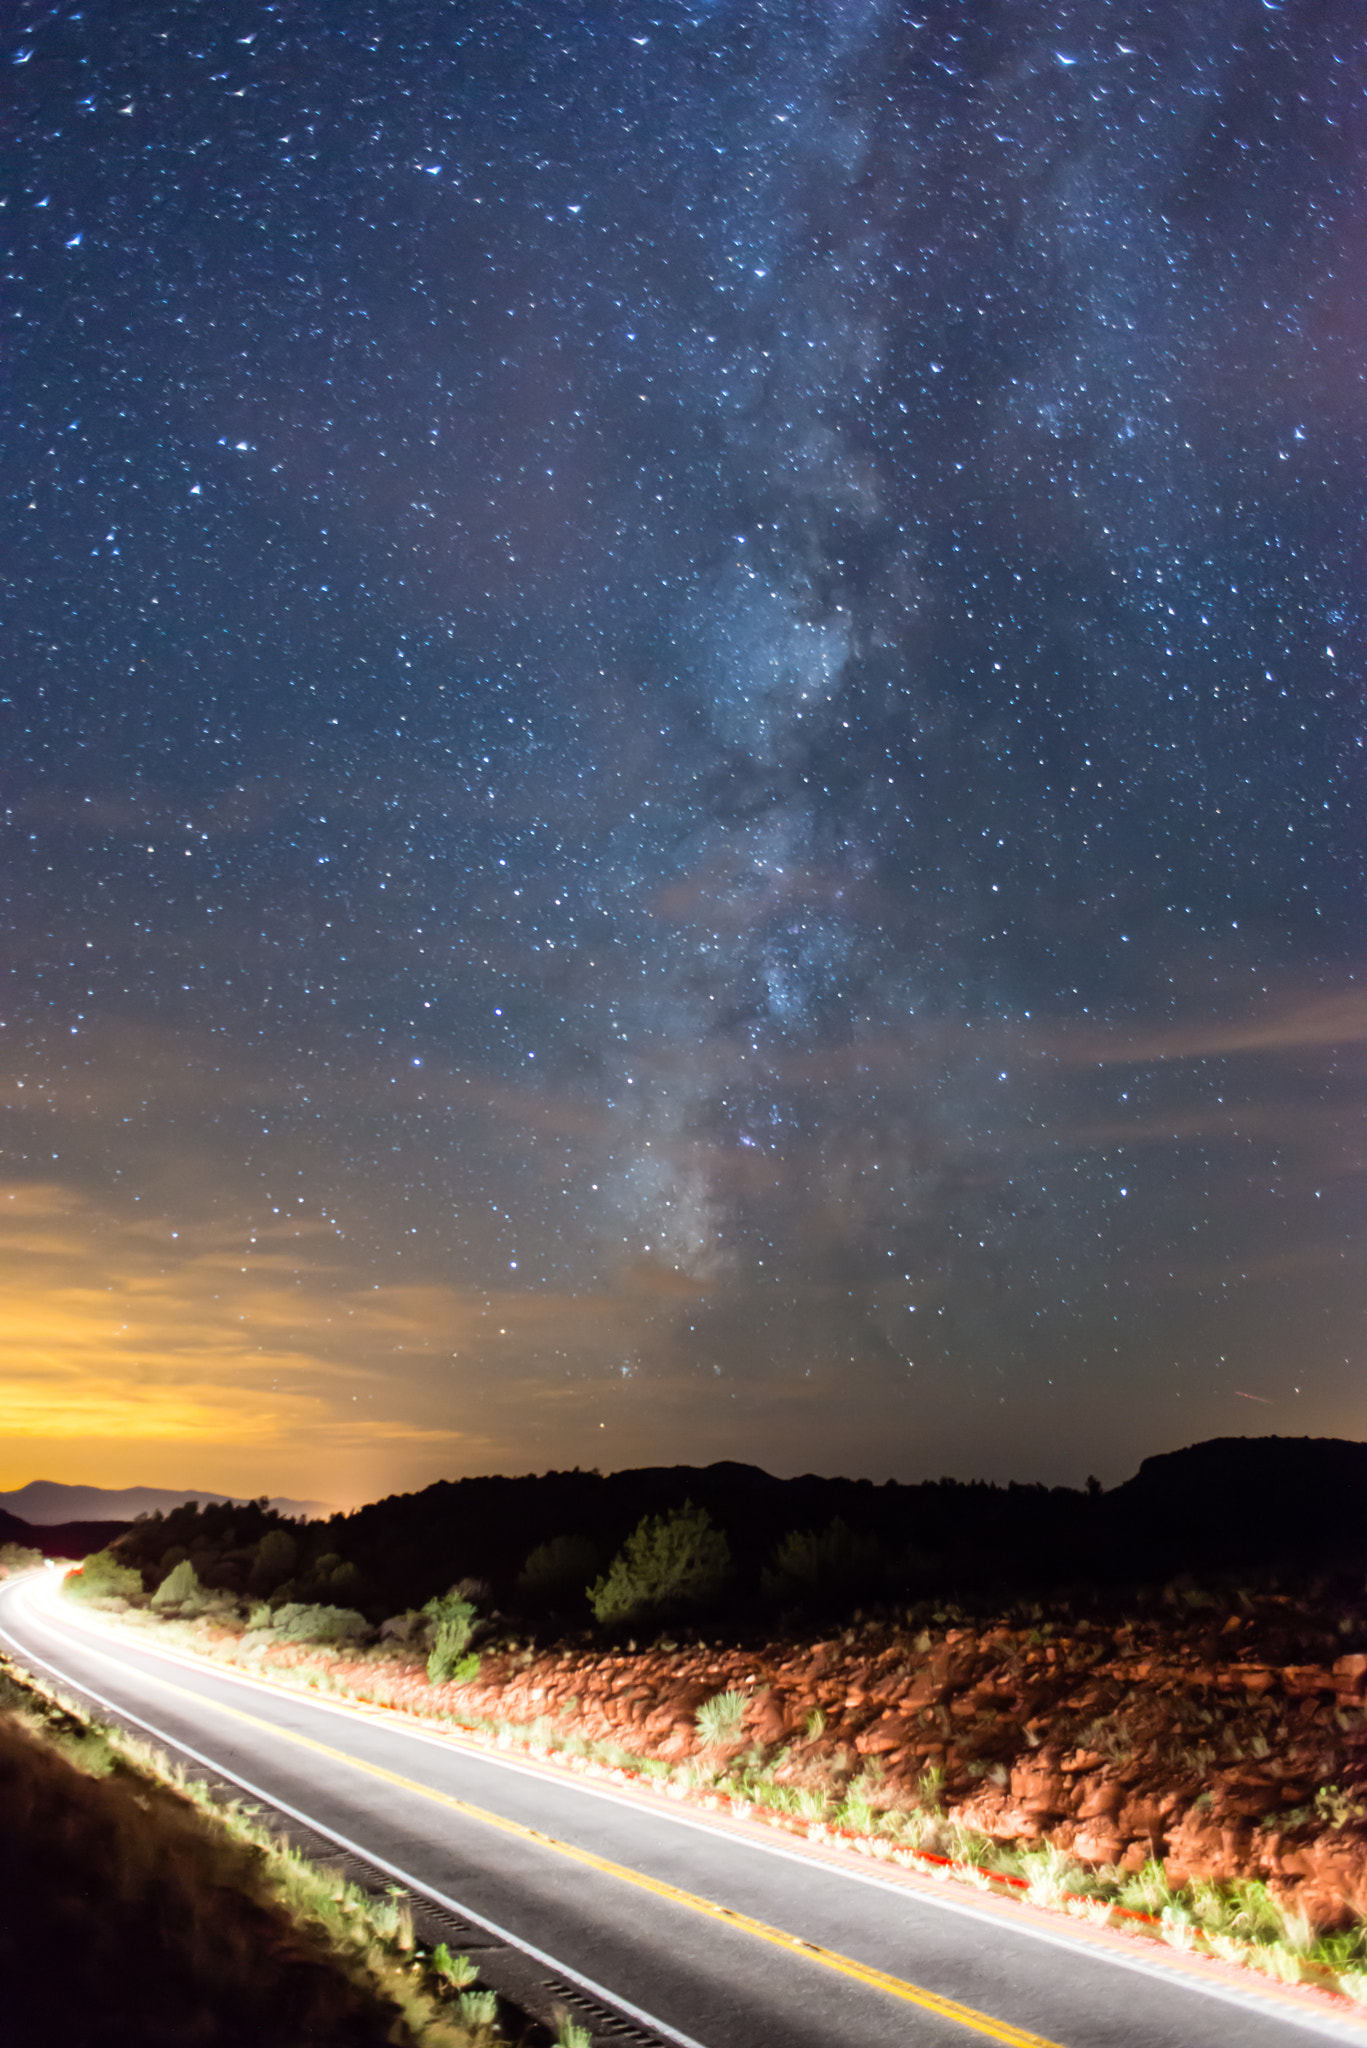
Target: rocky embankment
[1224,1746]
[1211,1748]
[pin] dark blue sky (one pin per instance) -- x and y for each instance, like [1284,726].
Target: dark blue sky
[682,750]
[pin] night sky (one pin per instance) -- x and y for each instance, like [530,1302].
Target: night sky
[681,736]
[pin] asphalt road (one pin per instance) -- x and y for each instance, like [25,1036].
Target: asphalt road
[704,1936]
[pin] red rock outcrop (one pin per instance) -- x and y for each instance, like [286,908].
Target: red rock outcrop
[1227,1745]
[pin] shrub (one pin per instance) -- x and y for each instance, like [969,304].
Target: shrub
[336,1576]
[180,1588]
[17,1557]
[298,1623]
[401,1628]
[560,1569]
[103,1577]
[453,1616]
[823,1564]
[667,1562]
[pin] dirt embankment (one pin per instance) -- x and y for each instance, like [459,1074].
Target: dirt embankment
[135,1917]
[124,1922]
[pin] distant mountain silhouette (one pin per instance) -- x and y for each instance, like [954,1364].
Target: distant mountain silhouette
[46,1502]
[66,1539]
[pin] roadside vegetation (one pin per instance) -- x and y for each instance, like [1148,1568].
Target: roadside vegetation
[1184,1773]
[1183,1755]
[17,1557]
[139,1910]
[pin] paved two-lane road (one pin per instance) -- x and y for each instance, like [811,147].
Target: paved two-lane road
[695,1928]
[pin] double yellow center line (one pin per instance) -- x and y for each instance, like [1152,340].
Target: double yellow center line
[744,1923]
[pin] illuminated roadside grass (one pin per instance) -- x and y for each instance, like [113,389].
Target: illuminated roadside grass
[1237,1923]
[368,1944]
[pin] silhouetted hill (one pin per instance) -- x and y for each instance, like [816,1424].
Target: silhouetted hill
[64,1539]
[1235,1501]
[410,1546]
[1229,1504]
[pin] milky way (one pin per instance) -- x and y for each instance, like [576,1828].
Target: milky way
[683,735]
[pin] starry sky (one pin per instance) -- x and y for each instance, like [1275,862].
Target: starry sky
[682,736]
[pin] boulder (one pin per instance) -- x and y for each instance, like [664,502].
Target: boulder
[889,1733]
[1038,1787]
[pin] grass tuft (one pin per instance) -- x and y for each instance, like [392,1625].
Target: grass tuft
[721,1719]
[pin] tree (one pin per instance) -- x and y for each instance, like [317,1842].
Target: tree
[556,1571]
[823,1564]
[276,1555]
[668,1562]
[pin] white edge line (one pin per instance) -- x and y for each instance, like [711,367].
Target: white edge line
[1254,2000]
[538,1955]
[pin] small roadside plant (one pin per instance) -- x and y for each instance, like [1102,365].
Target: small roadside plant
[478,2009]
[1049,1873]
[930,1787]
[1148,1891]
[721,1719]
[668,1562]
[453,1616]
[1338,1808]
[458,1971]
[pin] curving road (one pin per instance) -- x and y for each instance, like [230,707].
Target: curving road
[704,1933]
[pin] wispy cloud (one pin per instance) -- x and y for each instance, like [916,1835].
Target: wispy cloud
[124,1347]
[1295,1022]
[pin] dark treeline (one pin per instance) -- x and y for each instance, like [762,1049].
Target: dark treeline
[62,1539]
[816,1545]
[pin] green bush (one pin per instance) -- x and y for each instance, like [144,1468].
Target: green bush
[180,1588]
[103,1577]
[17,1557]
[276,1556]
[333,1577]
[823,1564]
[297,1622]
[559,1570]
[453,1618]
[668,1562]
